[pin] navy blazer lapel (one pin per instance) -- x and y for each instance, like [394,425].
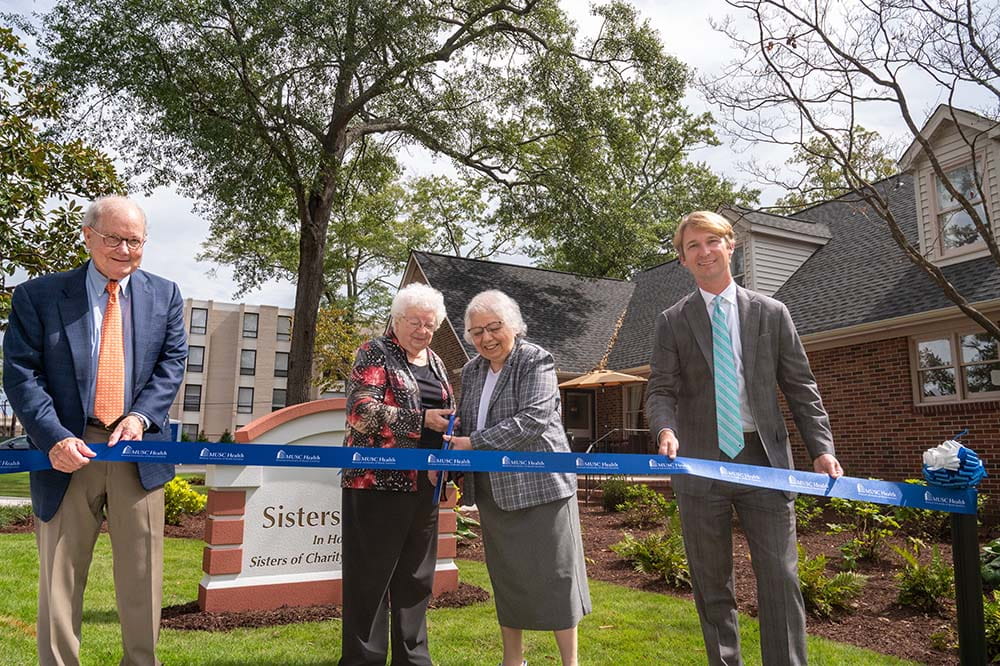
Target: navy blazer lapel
[697,316]
[749,309]
[74,309]
[141,302]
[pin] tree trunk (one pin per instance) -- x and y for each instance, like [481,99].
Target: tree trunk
[308,290]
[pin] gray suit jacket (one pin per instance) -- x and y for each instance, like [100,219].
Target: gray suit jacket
[523,416]
[681,391]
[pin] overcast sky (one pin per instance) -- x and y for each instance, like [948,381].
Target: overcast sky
[176,233]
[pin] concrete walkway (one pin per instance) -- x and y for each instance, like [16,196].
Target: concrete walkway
[14,501]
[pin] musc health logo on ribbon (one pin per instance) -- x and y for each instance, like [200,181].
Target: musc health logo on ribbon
[599,465]
[382,461]
[507,461]
[738,476]
[796,482]
[128,450]
[296,457]
[220,455]
[931,498]
[673,465]
[881,493]
[434,460]
[10,464]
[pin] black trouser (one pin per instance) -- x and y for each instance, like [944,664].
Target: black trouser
[390,552]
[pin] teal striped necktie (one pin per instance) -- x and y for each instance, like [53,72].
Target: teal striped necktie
[727,394]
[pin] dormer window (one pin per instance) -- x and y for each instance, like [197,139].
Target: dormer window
[956,228]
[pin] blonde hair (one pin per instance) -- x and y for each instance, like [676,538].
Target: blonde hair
[705,220]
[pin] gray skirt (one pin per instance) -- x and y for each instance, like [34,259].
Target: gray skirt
[535,560]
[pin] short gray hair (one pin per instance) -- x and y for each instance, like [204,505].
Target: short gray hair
[495,302]
[101,205]
[419,296]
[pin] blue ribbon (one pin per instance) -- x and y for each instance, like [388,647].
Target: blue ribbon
[284,455]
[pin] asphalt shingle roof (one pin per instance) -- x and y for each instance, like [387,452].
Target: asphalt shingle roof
[571,316]
[862,276]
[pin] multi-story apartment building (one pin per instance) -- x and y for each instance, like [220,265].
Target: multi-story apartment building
[237,366]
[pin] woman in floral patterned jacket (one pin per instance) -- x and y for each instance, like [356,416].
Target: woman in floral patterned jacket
[398,396]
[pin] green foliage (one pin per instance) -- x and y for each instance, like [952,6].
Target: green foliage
[824,179]
[871,529]
[338,337]
[645,508]
[807,510]
[179,499]
[226,437]
[824,594]
[989,559]
[38,170]
[658,554]
[18,514]
[923,585]
[463,529]
[614,492]
[991,615]
[922,523]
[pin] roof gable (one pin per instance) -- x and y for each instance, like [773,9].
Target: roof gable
[572,316]
[946,114]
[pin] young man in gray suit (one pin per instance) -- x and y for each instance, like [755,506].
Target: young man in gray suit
[719,356]
[96,354]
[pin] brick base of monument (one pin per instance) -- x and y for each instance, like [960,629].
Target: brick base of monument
[222,559]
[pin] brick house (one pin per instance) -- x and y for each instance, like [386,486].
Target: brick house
[899,367]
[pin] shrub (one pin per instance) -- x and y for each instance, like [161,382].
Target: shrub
[922,523]
[991,613]
[658,554]
[645,508]
[823,594]
[989,559]
[179,499]
[613,493]
[18,514]
[464,525]
[923,585]
[807,510]
[870,527]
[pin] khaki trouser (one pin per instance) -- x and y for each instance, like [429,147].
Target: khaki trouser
[66,547]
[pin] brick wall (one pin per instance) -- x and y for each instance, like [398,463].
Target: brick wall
[878,430]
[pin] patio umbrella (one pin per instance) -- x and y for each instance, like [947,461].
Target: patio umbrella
[600,379]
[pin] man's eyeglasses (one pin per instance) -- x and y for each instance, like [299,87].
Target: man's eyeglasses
[416,324]
[492,327]
[111,240]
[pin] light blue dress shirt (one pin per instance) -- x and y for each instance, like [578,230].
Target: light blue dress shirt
[97,297]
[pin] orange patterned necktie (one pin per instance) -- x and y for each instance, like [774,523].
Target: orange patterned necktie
[109,395]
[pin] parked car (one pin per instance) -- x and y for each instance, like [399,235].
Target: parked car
[19,442]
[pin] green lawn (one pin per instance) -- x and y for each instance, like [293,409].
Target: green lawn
[16,484]
[626,627]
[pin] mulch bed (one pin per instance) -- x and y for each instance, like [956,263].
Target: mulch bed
[878,622]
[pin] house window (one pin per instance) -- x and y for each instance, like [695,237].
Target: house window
[250,324]
[244,401]
[199,321]
[958,366]
[738,265]
[196,359]
[633,405]
[192,397]
[284,328]
[248,362]
[189,432]
[281,364]
[955,226]
[278,399]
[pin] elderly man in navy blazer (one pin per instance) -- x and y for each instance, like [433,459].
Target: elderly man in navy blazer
[720,355]
[96,354]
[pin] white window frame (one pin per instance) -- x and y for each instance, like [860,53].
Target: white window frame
[940,211]
[958,364]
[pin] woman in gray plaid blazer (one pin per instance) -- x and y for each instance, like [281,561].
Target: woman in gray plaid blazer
[530,521]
